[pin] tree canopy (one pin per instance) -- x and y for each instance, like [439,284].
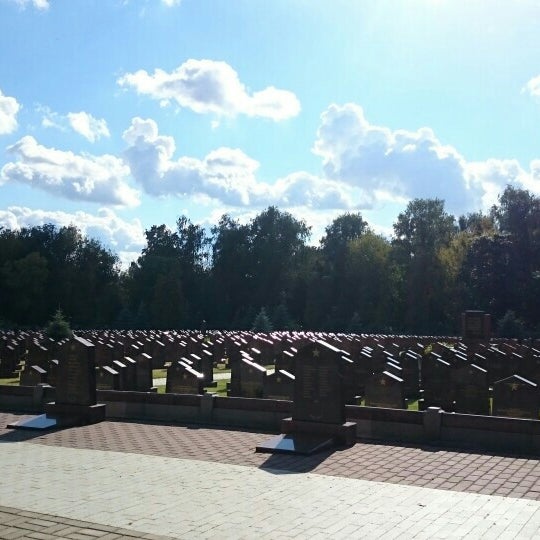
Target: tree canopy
[418,281]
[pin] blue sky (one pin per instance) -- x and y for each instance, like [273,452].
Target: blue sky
[121,114]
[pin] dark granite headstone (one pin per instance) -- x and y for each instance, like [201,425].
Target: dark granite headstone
[144,372]
[33,375]
[470,387]
[318,389]
[52,372]
[285,361]
[252,378]
[517,397]
[8,361]
[131,373]
[107,378]
[279,385]
[318,419]
[75,392]
[183,379]
[436,388]
[410,363]
[77,374]
[121,370]
[385,390]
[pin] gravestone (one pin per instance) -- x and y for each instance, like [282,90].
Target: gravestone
[8,361]
[144,372]
[121,370]
[183,379]
[318,420]
[517,397]
[499,365]
[131,373]
[385,390]
[285,361]
[107,378]
[38,355]
[233,362]
[471,389]
[410,363]
[52,372]
[252,378]
[436,388]
[75,392]
[279,385]
[32,375]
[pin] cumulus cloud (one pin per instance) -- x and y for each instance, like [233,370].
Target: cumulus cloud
[207,86]
[225,174]
[390,163]
[81,122]
[89,127]
[125,238]
[83,177]
[533,87]
[171,3]
[8,114]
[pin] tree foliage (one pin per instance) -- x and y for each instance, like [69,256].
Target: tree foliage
[419,281]
[58,327]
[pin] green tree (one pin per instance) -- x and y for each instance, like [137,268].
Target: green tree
[517,216]
[231,280]
[420,232]
[276,242]
[281,318]
[368,282]
[510,326]
[24,288]
[58,328]
[262,322]
[343,230]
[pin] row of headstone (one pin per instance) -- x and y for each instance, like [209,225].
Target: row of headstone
[383,371]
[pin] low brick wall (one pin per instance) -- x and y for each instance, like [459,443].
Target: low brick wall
[433,426]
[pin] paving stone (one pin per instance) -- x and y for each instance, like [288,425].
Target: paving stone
[167,459]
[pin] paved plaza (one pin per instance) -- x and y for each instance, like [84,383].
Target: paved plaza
[140,480]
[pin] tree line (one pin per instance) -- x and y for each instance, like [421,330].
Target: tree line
[419,281]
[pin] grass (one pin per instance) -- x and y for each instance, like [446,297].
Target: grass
[10,382]
[219,390]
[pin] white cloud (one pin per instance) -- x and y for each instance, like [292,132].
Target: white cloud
[8,114]
[38,4]
[207,86]
[84,177]
[171,3]
[89,127]
[124,238]
[225,174]
[398,165]
[391,164]
[304,189]
[81,122]
[533,87]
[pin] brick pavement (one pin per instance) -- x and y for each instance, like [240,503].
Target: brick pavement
[386,474]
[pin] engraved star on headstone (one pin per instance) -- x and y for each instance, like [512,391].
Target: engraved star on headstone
[316,353]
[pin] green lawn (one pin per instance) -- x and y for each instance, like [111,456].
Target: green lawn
[219,390]
[10,382]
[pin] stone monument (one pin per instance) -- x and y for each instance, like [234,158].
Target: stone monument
[318,419]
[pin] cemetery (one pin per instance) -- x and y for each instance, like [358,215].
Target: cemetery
[472,390]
